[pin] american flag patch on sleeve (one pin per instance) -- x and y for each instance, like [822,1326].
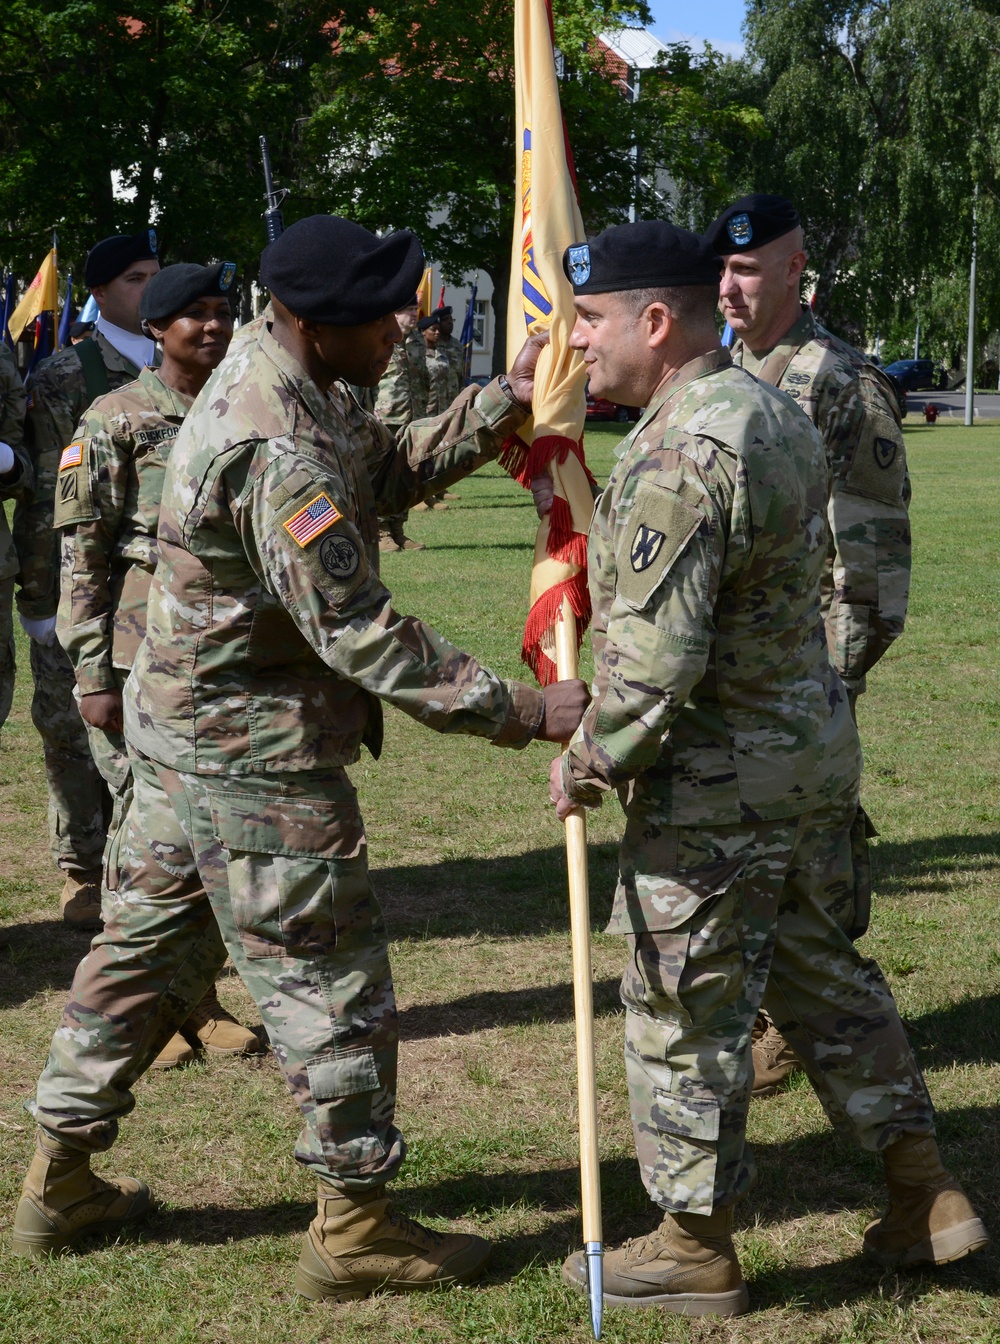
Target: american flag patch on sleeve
[316,517]
[71,456]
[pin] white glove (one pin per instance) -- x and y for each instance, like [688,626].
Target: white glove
[7,458]
[42,631]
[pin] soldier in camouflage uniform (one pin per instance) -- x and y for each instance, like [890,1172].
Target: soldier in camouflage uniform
[445,365]
[401,397]
[107,507]
[271,641]
[866,580]
[717,716]
[444,369]
[15,480]
[59,392]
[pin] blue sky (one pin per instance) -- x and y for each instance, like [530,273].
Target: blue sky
[718,21]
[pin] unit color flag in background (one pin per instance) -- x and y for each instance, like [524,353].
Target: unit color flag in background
[41,296]
[541,298]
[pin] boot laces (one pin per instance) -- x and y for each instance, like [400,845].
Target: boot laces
[411,1230]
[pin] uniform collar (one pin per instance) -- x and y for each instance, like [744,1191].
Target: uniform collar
[320,406]
[168,401]
[698,367]
[803,329]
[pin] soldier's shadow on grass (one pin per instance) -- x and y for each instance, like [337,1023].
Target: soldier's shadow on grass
[933,864]
[38,956]
[513,896]
[503,1008]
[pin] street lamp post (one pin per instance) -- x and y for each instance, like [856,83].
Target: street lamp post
[970,352]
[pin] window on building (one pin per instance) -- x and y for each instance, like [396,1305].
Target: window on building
[481,325]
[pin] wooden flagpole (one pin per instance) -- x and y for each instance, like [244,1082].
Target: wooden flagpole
[567,665]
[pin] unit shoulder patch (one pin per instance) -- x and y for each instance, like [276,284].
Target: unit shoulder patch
[339,556]
[657,531]
[878,466]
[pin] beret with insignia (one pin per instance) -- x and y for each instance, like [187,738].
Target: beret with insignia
[108,258]
[751,222]
[331,270]
[175,287]
[647,254]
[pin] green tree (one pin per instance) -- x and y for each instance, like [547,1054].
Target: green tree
[881,119]
[414,126]
[165,105]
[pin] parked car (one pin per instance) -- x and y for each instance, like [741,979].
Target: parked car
[914,375]
[599,408]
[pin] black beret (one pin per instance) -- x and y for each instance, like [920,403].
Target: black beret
[442,312]
[330,270]
[751,222]
[426,322]
[111,256]
[648,254]
[81,329]
[175,287]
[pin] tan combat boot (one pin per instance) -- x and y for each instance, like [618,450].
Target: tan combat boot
[175,1053]
[63,1201]
[217,1031]
[929,1220]
[688,1265]
[358,1244]
[403,542]
[773,1058]
[80,901]
[386,541]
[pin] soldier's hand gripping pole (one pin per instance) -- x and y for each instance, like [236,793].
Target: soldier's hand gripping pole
[274,220]
[567,661]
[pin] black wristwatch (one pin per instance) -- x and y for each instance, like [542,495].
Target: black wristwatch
[509,393]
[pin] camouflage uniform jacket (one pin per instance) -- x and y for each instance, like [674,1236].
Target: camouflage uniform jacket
[405,386]
[108,502]
[866,582]
[18,480]
[714,697]
[269,631]
[445,368]
[57,399]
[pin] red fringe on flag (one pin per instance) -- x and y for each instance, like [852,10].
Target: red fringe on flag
[524,463]
[562,542]
[543,616]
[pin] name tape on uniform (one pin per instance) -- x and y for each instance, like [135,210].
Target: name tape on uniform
[71,456]
[319,514]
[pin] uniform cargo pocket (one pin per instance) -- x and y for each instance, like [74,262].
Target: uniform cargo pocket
[347,1075]
[297,872]
[686,1115]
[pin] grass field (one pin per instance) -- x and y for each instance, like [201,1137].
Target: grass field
[468,863]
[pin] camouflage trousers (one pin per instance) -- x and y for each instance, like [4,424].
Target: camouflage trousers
[722,920]
[7,660]
[274,870]
[79,802]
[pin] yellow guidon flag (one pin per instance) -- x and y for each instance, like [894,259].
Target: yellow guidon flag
[41,296]
[424,297]
[541,298]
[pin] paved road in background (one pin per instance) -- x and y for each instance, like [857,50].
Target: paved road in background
[951,405]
